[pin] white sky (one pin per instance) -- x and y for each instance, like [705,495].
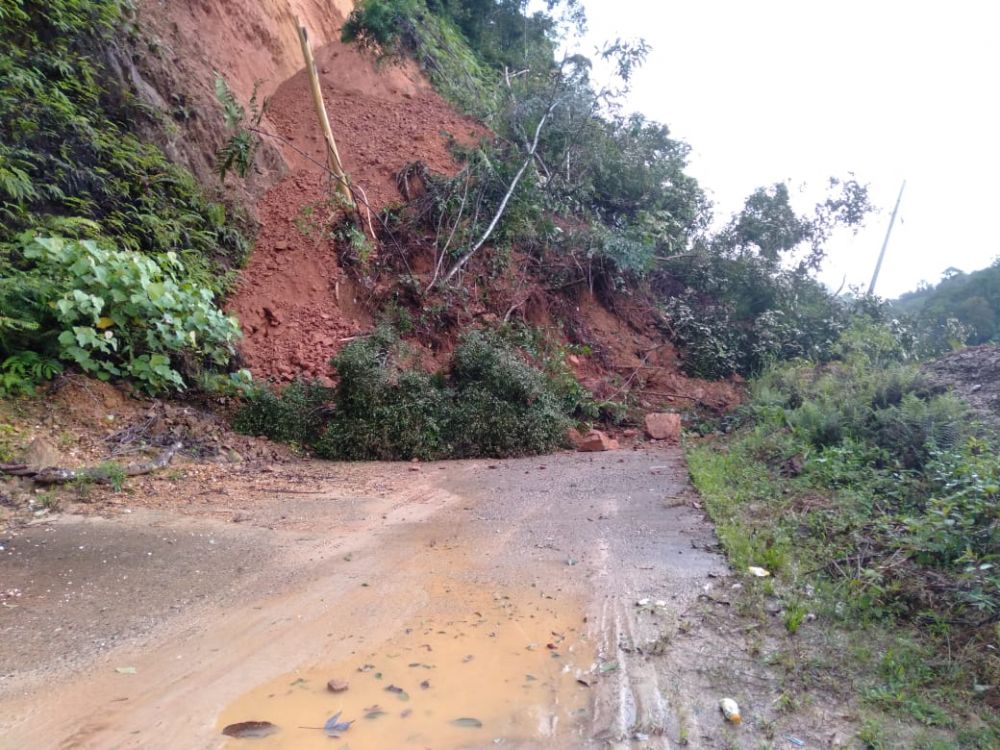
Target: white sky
[775,90]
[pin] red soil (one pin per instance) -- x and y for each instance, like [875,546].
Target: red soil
[294,302]
[297,305]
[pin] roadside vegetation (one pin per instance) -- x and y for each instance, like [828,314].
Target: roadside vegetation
[871,497]
[111,257]
[492,400]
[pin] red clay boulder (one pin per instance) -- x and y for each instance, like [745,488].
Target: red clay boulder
[663,426]
[595,440]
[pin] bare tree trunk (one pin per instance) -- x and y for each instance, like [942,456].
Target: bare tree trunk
[98,474]
[503,204]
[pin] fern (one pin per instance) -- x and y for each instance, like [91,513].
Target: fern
[238,152]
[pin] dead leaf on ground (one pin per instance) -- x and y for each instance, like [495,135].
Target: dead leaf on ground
[334,727]
[467,721]
[400,693]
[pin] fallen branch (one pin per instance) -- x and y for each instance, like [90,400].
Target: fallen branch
[532,148]
[105,474]
[670,395]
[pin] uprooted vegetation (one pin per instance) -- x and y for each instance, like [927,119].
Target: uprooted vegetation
[870,493]
[491,401]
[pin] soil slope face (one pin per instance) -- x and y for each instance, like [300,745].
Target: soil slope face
[294,301]
[974,376]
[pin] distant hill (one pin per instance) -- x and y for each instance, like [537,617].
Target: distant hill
[972,298]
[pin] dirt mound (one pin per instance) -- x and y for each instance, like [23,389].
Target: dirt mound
[630,355]
[184,43]
[294,301]
[974,375]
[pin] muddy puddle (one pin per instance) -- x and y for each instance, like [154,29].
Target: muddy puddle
[486,670]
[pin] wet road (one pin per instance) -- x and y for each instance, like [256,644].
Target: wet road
[469,604]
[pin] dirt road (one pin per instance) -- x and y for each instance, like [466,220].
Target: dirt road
[500,602]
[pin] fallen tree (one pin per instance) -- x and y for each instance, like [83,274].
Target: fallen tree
[104,474]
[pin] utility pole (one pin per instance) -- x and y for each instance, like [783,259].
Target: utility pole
[885,242]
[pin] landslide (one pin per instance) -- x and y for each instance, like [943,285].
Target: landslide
[974,375]
[296,303]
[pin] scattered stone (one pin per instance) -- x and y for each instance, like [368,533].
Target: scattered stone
[574,437]
[273,318]
[595,440]
[663,426]
[41,454]
[337,686]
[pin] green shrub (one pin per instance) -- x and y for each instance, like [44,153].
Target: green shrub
[383,409]
[393,29]
[117,314]
[901,466]
[493,404]
[296,415]
[68,163]
[20,373]
[504,406]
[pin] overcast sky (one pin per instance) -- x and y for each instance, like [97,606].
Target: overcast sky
[776,90]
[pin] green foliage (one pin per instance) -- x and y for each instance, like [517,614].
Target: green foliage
[971,300]
[876,496]
[113,314]
[240,149]
[735,303]
[393,29]
[296,415]
[504,406]
[620,178]
[66,152]
[906,477]
[21,372]
[71,168]
[493,404]
[736,315]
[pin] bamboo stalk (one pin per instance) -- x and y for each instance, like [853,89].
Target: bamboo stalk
[333,156]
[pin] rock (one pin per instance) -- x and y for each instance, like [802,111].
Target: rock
[272,317]
[631,432]
[595,440]
[337,686]
[280,246]
[574,437]
[663,426]
[41,454]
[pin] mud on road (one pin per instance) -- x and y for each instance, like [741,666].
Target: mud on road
[551,602]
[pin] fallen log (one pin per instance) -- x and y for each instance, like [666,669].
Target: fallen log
[104,474]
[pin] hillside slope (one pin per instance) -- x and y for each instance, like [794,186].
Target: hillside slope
[297,305]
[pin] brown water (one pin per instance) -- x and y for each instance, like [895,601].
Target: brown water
[507,663]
